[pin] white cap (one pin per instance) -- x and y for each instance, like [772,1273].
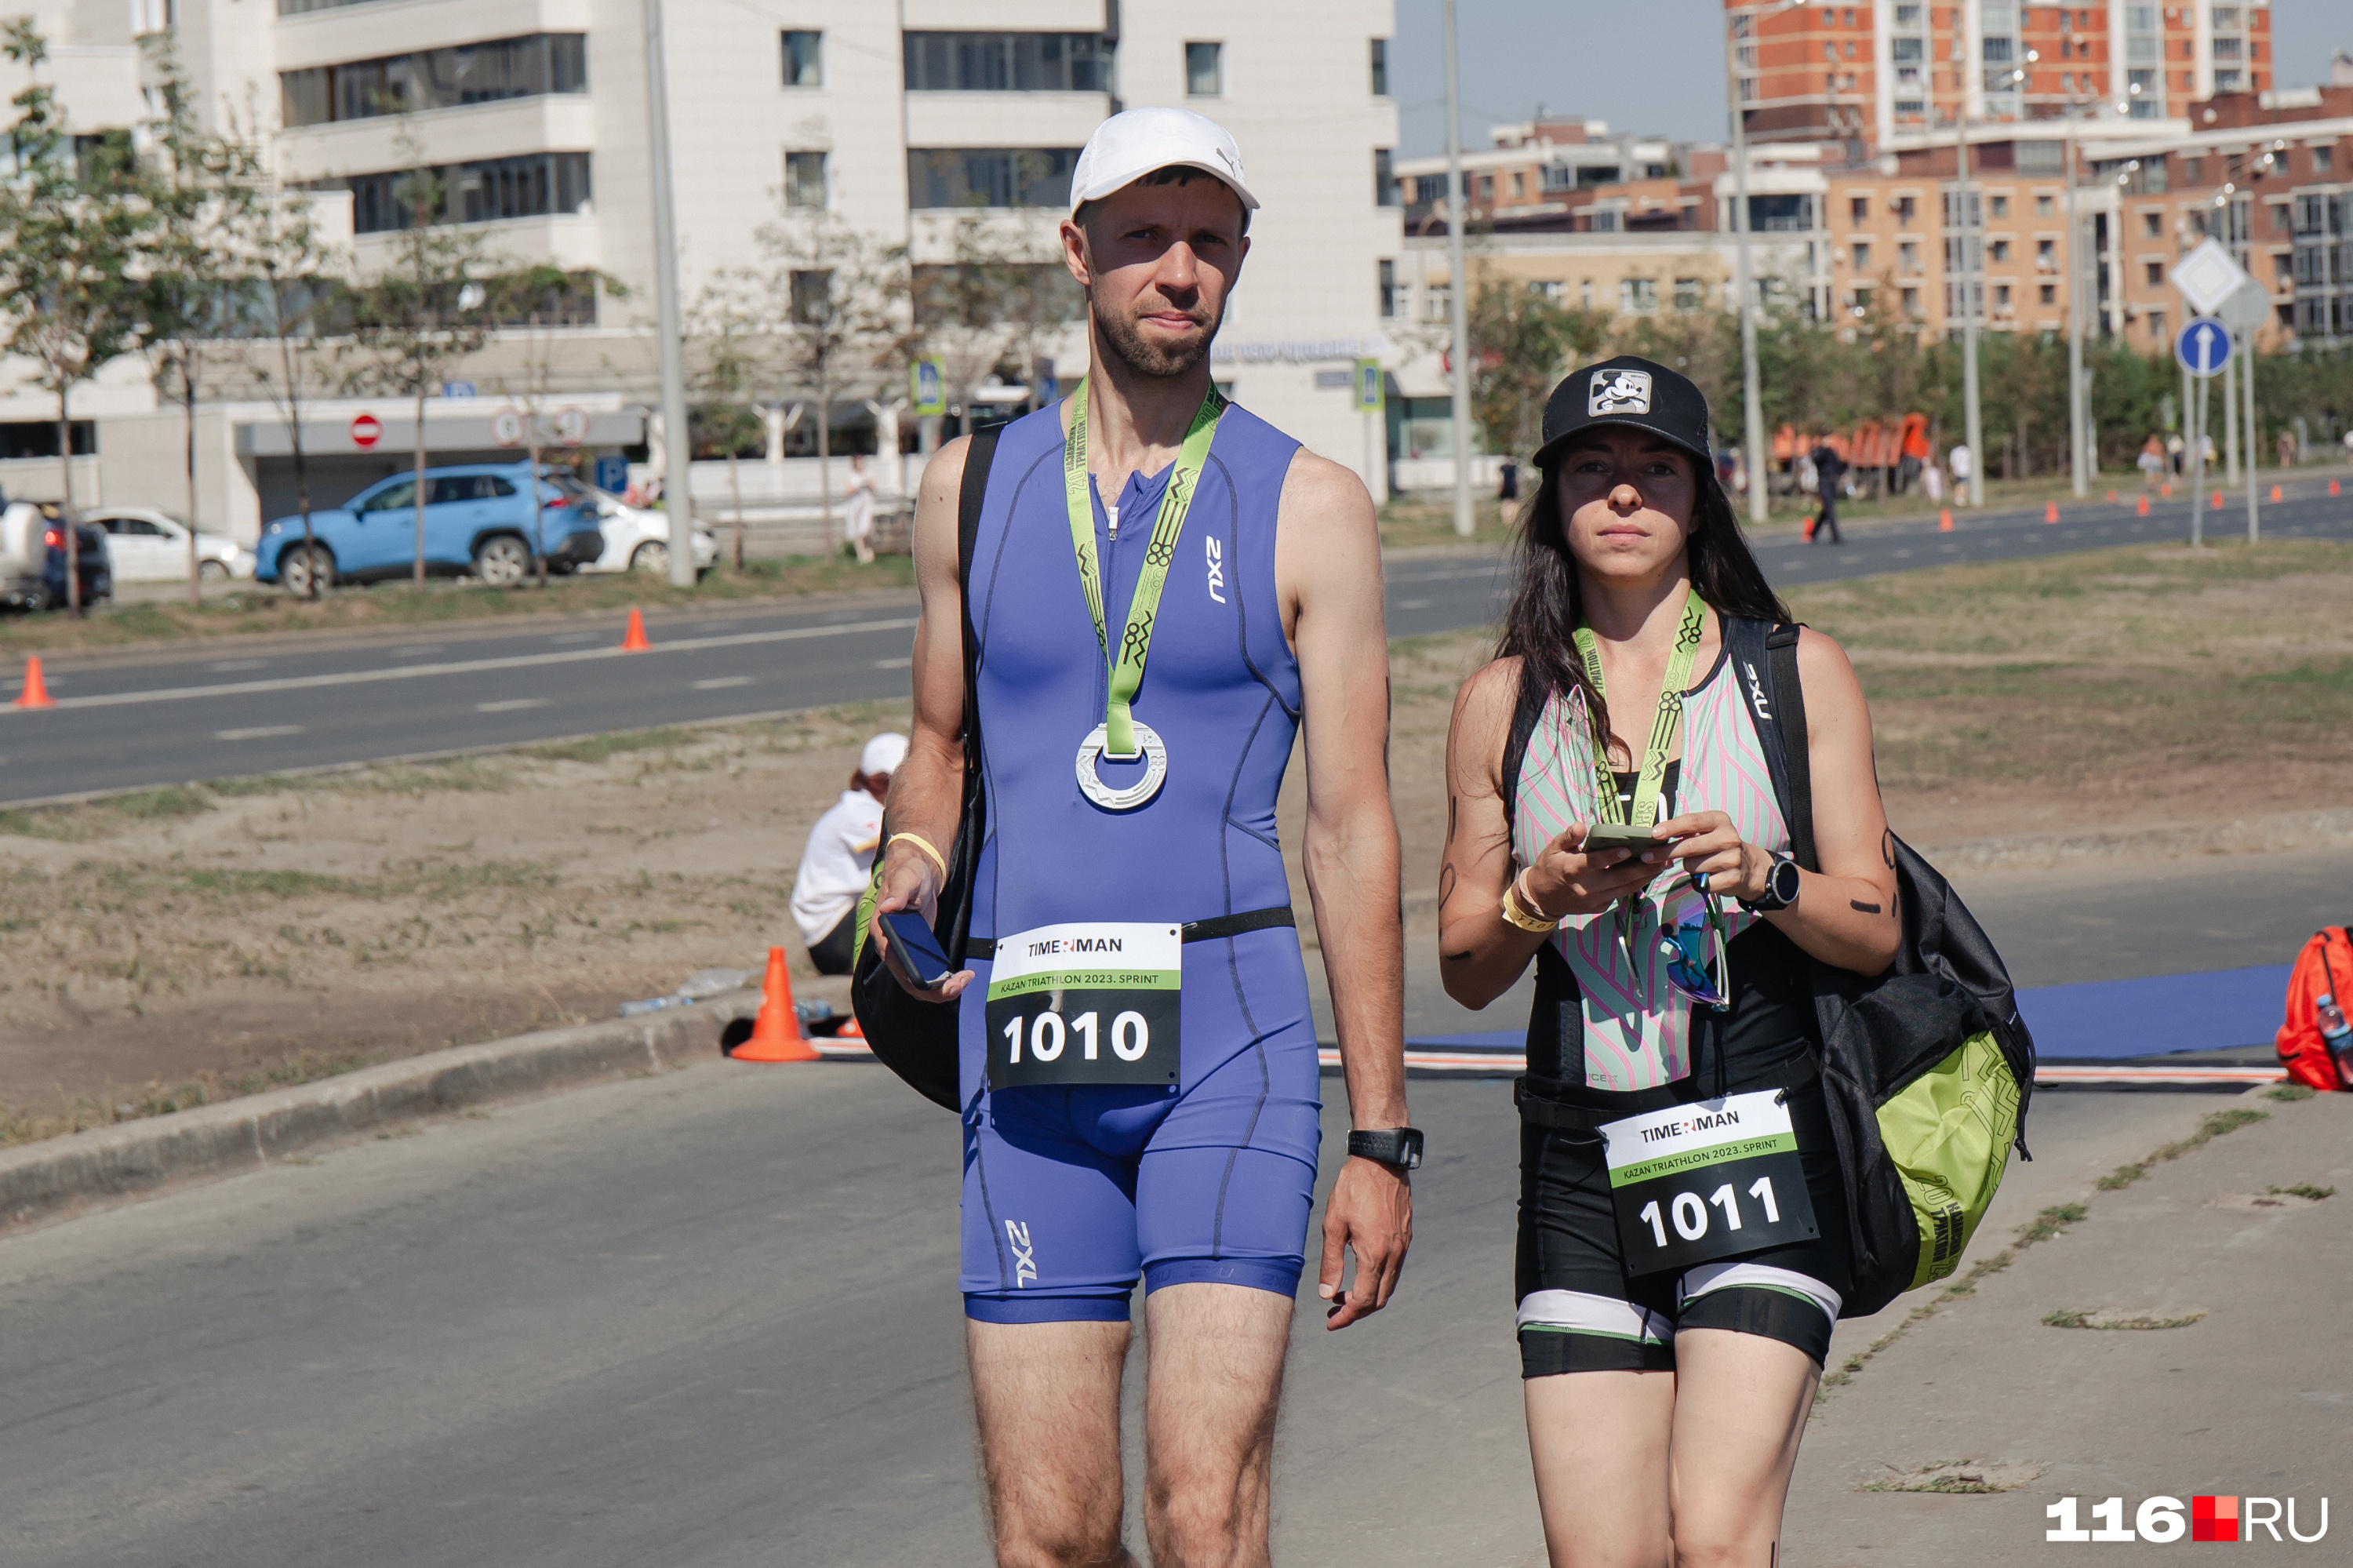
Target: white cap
[1131,144]
[884,754]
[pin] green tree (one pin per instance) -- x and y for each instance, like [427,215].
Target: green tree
[829,291]
[418,317]
[74,224]
[730,331]
[294,304]
[1522,343]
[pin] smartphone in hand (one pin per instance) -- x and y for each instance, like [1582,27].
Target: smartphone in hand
[918,949]
[1619,835]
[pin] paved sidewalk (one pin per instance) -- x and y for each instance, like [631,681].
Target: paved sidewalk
[2249,1399]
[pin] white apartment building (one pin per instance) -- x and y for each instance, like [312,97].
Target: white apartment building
[891,119]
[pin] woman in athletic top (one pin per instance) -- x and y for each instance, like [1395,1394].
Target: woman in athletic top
[1680,1264]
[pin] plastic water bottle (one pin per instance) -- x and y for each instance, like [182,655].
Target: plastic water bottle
[2338,1036]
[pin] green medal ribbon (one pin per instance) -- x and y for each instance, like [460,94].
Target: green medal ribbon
[1136,640]
[1664,724]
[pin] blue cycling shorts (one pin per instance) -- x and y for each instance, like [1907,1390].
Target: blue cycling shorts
[1073,1191]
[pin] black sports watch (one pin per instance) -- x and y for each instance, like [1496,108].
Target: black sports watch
[1780,887]
[1398,1146]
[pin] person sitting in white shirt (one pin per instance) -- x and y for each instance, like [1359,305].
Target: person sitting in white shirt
[839,859]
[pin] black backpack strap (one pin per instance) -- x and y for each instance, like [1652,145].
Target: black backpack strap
[1797,761]
[1764,657]
[978,454]
[1525,711]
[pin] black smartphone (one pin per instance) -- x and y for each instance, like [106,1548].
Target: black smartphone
[918,949]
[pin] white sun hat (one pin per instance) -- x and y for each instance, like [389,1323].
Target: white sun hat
[1131,144]
[884,754]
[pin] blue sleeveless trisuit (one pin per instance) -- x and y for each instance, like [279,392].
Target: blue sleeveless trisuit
[1071,1191]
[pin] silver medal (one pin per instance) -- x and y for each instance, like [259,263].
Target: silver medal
[1155,769]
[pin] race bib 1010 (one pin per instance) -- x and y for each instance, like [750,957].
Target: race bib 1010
[1712,1178]
[1091,1001]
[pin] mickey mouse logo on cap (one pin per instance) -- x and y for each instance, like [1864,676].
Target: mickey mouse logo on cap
[1619,392]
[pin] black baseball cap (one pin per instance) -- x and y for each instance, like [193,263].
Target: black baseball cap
[1627,390]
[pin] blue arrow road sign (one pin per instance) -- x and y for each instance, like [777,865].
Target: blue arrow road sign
[2203,346]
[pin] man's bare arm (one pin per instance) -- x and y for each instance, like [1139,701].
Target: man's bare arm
[927,789]
[1328,570]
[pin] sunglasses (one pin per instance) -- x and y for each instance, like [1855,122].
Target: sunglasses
[1685,945]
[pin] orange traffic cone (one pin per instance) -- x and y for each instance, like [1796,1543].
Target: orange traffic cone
[2144,506]
[2218,501]
[2112,498]
[2275,495]
[35,693]
[2332,487]
[634,640]
[2165,490]
[776,1033]
[2051,512]
[1944,520]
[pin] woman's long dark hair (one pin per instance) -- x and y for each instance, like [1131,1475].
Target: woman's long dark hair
[1547,607]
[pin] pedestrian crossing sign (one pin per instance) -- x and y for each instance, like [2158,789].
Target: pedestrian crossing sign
[927,387]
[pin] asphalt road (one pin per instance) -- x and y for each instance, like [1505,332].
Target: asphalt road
[125,721]
[704,1320]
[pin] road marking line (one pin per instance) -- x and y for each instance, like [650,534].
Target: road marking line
[418,650]
[894,663]
[259,732]
[720,683]
[512,704]
[224,666]
[472,666]
[1416,603]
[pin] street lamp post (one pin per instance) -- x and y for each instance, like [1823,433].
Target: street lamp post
[2078,414]
[1973,426]
[677,452]
[1458,305]
[1745,274]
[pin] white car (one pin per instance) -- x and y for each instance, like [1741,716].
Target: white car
[636,538]
[151,547]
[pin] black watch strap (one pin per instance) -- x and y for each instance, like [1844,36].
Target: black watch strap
[1399,1146]
[1780,887]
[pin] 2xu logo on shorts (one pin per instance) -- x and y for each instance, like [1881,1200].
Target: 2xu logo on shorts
[2161,1520]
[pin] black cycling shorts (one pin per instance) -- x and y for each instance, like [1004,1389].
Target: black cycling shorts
[1579,1311]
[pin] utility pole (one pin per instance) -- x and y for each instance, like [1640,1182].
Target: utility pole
[2079,458]
[1973,426]
[2247,378]
[678,450]
[1457,308]
[1752,393]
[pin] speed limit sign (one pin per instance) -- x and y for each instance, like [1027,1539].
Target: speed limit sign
[506,428]
[571,425]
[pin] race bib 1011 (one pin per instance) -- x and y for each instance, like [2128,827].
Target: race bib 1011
[1712,1178]
[1090,1002]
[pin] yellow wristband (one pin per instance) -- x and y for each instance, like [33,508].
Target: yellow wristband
[924,844]
[1518,914]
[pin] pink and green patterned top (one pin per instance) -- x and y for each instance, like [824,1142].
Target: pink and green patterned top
[1636,1025]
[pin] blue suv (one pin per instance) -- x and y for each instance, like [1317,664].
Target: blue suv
[477,519]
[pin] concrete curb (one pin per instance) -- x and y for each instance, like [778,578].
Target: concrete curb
[57,1176]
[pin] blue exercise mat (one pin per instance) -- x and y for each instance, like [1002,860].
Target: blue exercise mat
[2220,1010]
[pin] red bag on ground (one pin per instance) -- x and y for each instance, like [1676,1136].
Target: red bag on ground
[2326,966]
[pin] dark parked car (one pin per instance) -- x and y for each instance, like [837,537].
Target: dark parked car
[478,519]
[33,556]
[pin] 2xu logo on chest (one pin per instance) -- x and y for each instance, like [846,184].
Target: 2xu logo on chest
[1085,1002]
